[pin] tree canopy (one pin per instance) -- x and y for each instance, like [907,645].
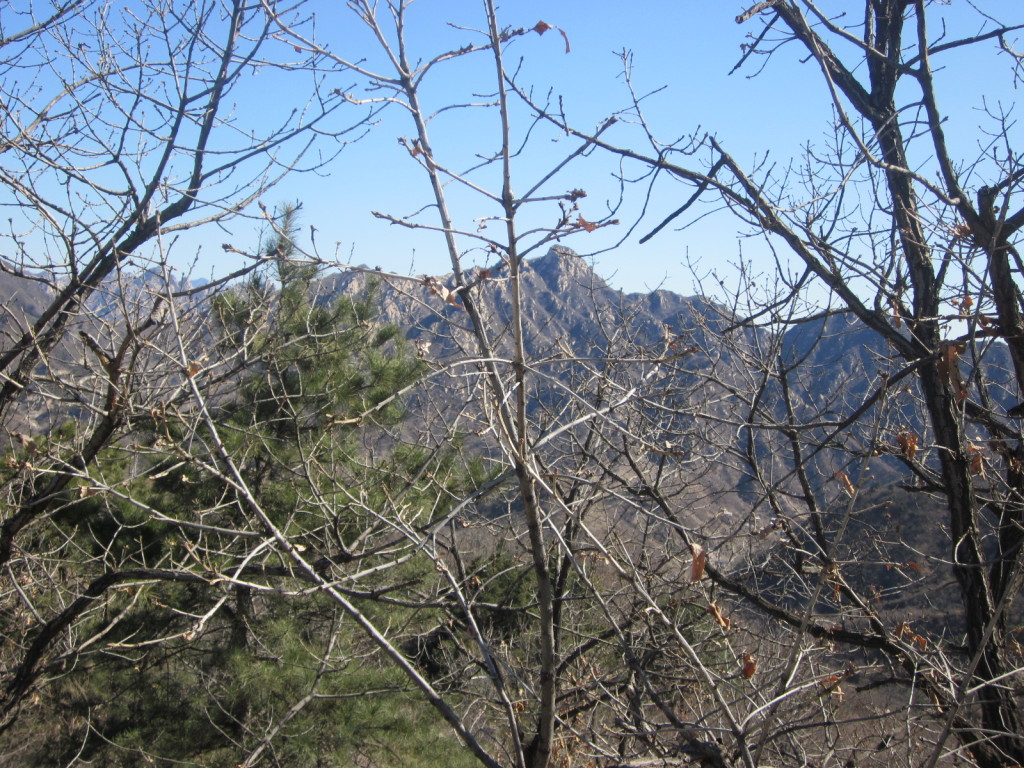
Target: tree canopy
[313,513]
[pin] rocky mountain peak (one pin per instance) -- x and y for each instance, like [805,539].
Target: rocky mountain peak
[562,269]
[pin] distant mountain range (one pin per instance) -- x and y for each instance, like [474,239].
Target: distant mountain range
[23,301]
[566,302]
[832,363]
[712,376]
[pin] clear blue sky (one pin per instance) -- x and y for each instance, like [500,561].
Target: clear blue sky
[686,47]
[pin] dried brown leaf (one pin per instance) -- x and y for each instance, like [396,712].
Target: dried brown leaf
[907,443]
[749,666]
[700,558]
[716,614]
[978,465]
[844,481]
[566,38]
[949,368]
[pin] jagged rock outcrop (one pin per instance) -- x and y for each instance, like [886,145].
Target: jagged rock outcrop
[566,303]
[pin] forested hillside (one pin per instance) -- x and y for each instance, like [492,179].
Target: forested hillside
[277,509]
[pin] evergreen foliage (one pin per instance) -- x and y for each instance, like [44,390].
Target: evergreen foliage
[235,655]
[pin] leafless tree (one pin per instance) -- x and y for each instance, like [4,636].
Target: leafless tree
[121,128]
[660,547]
[916,260]
[116,133]
[619,653]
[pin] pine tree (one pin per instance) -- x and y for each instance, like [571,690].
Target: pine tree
[236,655]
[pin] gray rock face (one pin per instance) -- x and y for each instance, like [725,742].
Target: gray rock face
[565,303]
